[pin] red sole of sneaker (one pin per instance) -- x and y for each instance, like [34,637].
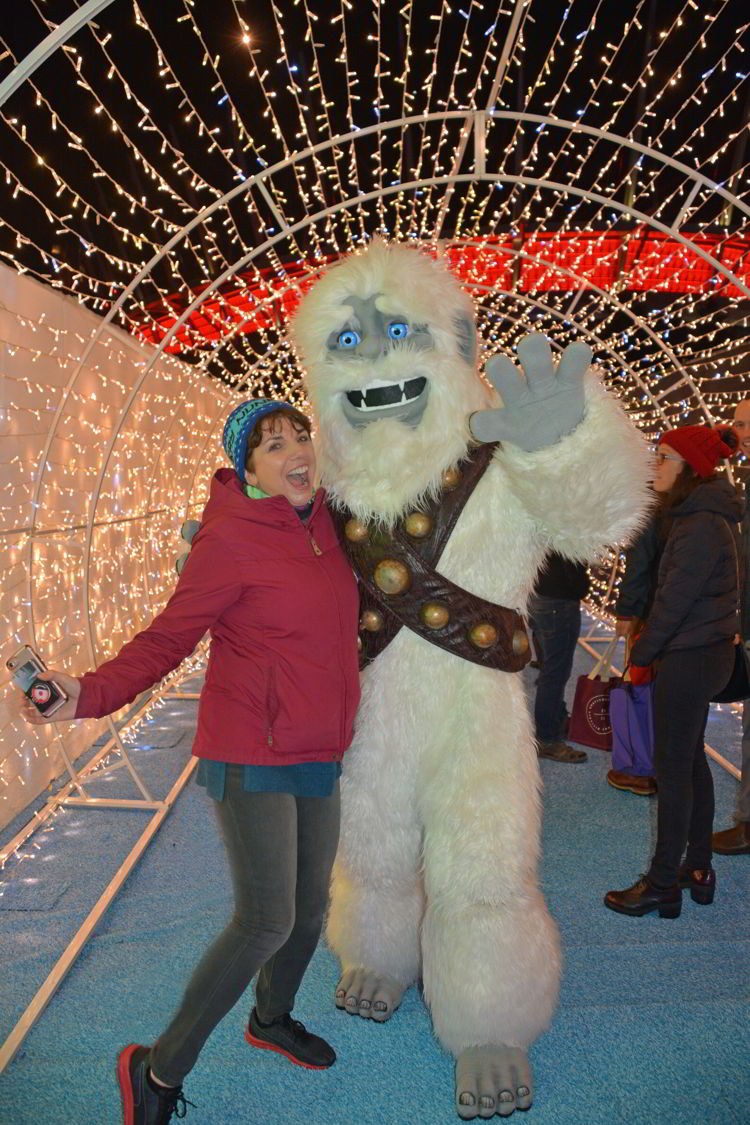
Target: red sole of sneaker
[126,1086]
[279,1051]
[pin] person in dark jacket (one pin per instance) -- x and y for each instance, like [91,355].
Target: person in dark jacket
[555,613]
[736,840]
[690,633]
[267,577]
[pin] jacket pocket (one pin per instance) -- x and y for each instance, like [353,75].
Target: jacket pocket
[272,702]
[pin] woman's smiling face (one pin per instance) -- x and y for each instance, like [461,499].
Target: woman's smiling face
[283,464]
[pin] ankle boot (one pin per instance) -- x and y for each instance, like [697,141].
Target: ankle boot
[700,881]
[642,898]
[733,841]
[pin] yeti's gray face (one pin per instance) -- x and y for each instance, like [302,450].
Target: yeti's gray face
[366,337]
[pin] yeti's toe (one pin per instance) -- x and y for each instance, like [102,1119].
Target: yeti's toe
[370,995]
[492,1080]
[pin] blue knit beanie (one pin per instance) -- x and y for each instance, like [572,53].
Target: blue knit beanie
[239,424]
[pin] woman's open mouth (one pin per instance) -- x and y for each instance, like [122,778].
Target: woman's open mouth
[300,477]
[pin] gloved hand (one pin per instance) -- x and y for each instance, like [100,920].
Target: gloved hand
[641,673]
[542,405]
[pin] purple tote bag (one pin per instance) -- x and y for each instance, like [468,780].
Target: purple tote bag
[631,714]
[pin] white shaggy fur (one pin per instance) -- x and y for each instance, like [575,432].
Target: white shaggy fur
[382,467]
[436,871]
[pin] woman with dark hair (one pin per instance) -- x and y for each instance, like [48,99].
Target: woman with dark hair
[689,635]
[267,577]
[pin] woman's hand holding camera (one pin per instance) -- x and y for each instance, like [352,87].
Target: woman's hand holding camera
[72,689]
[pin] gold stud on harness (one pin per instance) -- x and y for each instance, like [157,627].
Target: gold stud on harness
[392,577]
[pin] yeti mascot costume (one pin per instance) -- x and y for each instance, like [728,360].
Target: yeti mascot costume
[448,495]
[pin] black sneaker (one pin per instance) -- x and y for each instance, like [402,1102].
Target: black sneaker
[142,1103]
[288,1037]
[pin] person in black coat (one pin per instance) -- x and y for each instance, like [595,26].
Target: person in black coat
[689,634]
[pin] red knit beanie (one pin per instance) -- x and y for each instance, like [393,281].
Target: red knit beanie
[701,446]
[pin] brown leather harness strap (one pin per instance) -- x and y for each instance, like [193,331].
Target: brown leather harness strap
[399,585]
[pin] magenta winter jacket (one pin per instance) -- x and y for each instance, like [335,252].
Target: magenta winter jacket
[280,601]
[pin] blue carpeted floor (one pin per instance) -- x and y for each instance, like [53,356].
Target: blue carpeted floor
[652,1025]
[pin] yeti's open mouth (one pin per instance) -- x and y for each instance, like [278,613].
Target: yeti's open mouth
[378,395]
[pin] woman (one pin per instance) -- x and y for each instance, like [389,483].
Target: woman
[267,577]
[690,631]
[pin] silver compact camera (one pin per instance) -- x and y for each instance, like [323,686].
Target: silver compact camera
[25,667]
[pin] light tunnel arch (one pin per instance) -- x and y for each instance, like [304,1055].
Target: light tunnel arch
[476,121]
[360,201]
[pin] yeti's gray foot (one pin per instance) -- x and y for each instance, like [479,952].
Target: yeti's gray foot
[492,1080]
[374,996]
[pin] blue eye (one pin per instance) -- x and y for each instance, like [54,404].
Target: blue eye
[398,330]
[349,338]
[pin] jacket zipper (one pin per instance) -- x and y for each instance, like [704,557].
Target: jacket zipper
[316,551]
[339,755]
[313,544]
[271,702]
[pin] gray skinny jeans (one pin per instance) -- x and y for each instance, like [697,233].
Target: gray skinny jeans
[281,850]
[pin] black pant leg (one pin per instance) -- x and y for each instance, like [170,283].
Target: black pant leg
[701,825]
[556,623]
[685,681]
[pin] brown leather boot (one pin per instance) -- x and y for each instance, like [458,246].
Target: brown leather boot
[733,841]
[631,783]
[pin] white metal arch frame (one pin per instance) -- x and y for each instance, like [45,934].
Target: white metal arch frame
[477,121]
[49,45]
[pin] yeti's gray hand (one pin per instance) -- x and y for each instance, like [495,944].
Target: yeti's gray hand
[492,1080]
[542,405]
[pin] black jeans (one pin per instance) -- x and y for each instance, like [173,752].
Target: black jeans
[281,850]
[556,623]
[685,682]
